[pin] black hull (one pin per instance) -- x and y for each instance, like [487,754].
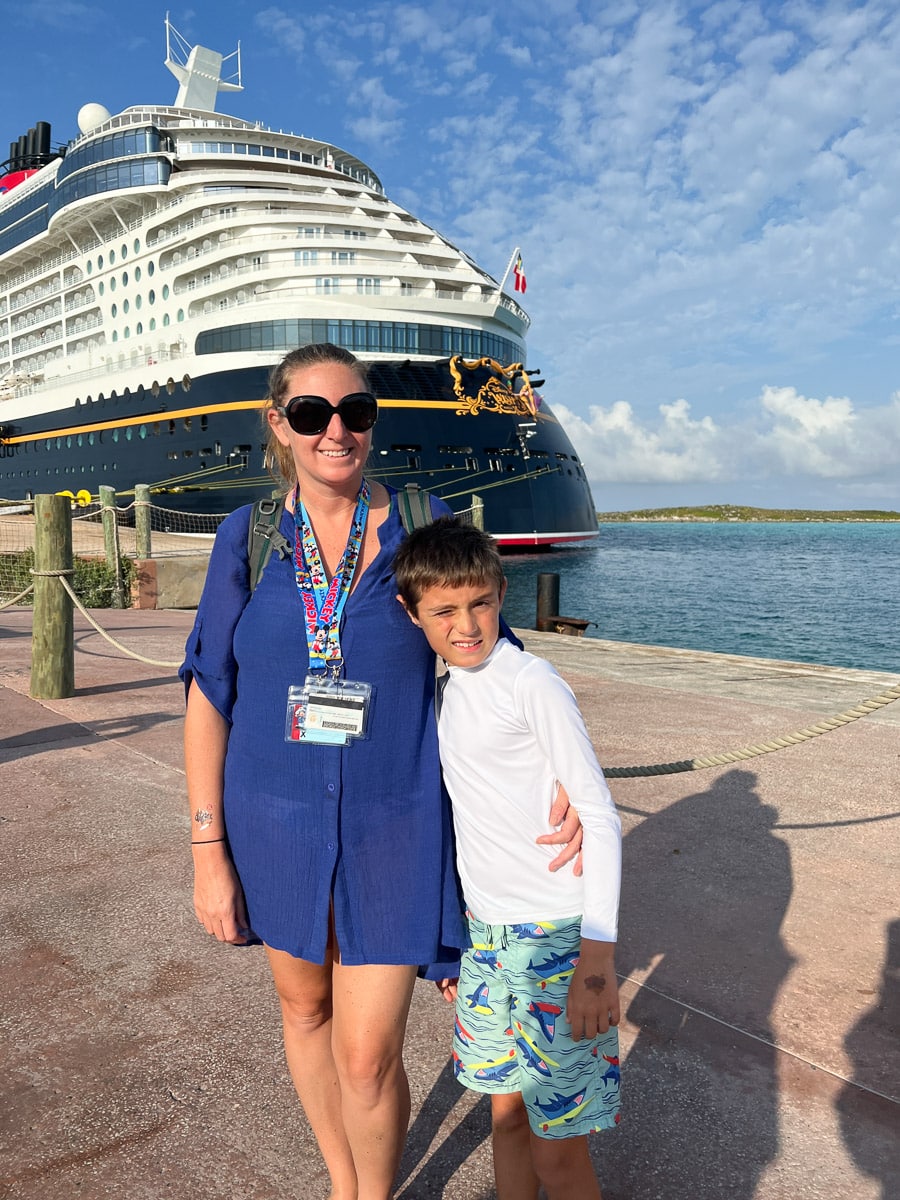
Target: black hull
[200,449]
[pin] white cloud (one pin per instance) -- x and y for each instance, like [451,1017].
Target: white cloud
[784,436]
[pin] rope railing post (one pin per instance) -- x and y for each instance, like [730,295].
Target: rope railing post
[109,516]
[477,511]
[53,634]
[142,520]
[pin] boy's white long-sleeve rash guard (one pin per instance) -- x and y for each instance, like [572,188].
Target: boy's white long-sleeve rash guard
[510,730]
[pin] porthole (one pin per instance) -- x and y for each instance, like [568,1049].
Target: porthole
[170,385]
[99,262]
[165,291]
[152,324]
[166,319]
[124,279]
[137,302]
[90,267]
[112,257]
[126,332]
[125,306]
[124,251]
[138,329]
[151,297]
[150,268]
[181,314]
[101,288]
[115,335]
[129,433]
[114,310]
[112,285]
[137,245]
[137,274]
[142,432]
[186,387]
[115,435]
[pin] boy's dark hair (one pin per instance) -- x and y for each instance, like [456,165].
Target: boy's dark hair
[445,553]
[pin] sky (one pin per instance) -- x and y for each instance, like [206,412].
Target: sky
[705,195]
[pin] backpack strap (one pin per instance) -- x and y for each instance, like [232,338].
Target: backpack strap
[415,507]
[264,536]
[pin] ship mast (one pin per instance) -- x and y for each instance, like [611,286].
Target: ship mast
[199,71]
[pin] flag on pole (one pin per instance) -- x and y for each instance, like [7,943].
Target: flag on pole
[519,274]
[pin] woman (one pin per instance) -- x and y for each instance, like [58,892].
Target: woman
[335,854]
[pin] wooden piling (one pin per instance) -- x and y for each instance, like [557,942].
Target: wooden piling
[477,512]
[53,637]
[142,520]
[109,516]
[547,599]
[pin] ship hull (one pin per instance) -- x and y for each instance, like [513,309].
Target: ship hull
[198,444]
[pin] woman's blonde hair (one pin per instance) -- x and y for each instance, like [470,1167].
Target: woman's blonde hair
[279,460]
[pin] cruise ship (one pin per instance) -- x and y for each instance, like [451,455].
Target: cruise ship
[155,267]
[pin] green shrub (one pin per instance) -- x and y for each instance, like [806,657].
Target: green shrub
[93,581]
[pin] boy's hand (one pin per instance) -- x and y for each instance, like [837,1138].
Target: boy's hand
[569,834]
[448,989]
[593,1003]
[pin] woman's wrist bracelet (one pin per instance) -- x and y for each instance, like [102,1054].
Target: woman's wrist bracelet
[207,841]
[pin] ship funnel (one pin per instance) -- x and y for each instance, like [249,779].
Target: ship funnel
[42,131]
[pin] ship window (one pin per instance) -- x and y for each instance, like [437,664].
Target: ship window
[181,314]
[150,268]
[112,285]
[129,433]
[204,425]
[171,427]
[138,329]
[137,245]
[112,257]
[255,150]
[142,431]
[125,306]
[115,435]
[268,151]
[166,319]
[114,311]
[152,324]
[101,288]
[137,274]
[165,291]
[115,335]
[126,332]
[124,251]
[124,279]
[151,297]
[170,385]
[138,302]
[90,267]
[561,457]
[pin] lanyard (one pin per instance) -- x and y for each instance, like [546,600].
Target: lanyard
[323,603]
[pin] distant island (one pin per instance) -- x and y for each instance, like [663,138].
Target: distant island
[739,512]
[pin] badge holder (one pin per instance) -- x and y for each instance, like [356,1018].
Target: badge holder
[328,712]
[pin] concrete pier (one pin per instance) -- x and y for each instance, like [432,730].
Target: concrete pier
[760,947]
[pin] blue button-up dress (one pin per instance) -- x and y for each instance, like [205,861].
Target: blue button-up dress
[363,827]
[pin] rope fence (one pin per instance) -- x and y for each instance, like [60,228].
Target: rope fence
[58,542]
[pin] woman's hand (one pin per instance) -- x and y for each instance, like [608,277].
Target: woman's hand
[218,897]
[593,1004]
[569,833]
[448,989]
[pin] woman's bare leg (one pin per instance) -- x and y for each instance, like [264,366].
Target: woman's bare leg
[514,1174]
[304,990]
[371,1006]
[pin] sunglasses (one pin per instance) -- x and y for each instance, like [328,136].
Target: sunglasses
[309,415]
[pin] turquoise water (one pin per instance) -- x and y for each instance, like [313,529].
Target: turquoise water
[808,592]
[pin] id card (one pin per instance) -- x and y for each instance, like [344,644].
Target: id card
[329,712]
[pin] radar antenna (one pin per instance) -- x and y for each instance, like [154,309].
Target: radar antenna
[199,71]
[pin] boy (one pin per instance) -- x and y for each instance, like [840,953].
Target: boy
[537,1000]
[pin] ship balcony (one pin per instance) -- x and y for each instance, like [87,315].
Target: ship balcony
[33,296]
[79,301]
[36,318]
[83,323]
